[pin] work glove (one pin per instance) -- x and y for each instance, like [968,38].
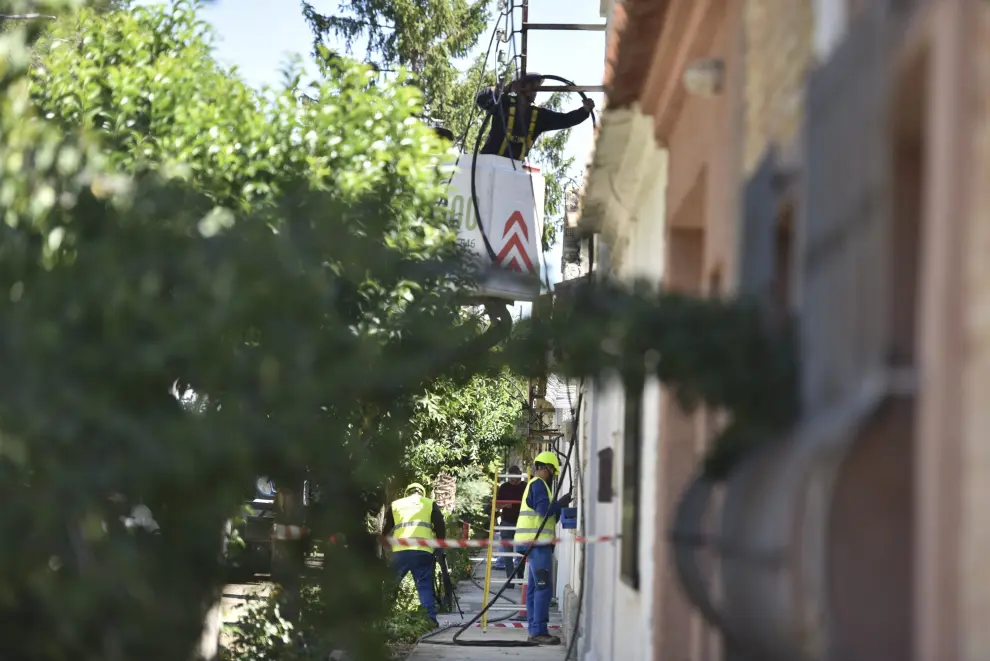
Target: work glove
[565,500]
[588,104]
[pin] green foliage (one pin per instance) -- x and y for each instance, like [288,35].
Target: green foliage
[463,425]
[149,85]
[262,633]
[459,563]
[304,309]
[424,36]
[407,620]
[718,352]
[474,495]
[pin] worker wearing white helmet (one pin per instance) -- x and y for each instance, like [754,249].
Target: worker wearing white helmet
[537,504]
[517,122]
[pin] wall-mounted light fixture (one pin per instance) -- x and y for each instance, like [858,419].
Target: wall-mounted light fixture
[705,77]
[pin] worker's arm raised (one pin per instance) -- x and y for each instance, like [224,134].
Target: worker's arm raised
[551,120]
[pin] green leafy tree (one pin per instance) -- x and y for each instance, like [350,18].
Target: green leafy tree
[463,425]
[424,37]
[162,222]
[458,426]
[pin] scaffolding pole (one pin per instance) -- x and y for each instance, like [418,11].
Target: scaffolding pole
[553,27]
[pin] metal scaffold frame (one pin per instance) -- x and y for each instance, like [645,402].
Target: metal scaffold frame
[528,26]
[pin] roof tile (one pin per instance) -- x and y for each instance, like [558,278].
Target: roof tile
[636,28]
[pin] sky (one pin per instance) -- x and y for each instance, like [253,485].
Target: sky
[259,41]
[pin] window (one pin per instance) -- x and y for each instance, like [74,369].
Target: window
[605,468]
[632,451]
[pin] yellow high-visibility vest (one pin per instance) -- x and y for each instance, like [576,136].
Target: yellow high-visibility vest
[412,516]
[526,143]
[529,521]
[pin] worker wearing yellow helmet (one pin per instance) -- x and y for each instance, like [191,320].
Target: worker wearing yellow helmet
[412,517]
[537,503]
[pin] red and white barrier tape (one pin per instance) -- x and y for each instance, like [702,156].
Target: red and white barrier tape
[286,533]
[298,532]
[484,543]
[515,625]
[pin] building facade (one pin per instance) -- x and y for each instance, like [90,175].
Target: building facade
[829,157]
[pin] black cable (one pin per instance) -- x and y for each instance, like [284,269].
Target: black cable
[474,173]
[477,90]
[594,123]
[474,193]
[507,643]
[474,200]
[467,128]
[477,583]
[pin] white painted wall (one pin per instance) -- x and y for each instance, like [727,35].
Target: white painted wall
[617,619]
[644,259]
[831,19]
[603,575]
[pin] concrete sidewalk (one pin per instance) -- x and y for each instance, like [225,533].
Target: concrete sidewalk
[472,600]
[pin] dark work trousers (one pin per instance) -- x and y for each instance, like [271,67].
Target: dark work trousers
[420,563]
[539,589]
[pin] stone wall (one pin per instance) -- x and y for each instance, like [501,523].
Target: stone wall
[779,53]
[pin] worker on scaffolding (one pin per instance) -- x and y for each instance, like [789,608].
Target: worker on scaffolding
[517,122]
[414,516]
[537,505]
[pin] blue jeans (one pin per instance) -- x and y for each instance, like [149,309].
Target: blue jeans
[420,563]
[539,589]
[510,562]
[500,560]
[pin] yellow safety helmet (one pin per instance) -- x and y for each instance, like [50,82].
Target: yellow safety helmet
[550,459]
[415,486]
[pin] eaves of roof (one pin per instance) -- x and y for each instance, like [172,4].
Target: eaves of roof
[636,29]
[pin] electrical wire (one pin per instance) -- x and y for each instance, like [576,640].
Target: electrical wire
[474,172]
[474,199]
[481,82]
[467,129]
[576,414]
[506,643]
[571,643]
[477,583]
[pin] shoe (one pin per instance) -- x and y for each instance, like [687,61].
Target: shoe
[436,625]
[545,639]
